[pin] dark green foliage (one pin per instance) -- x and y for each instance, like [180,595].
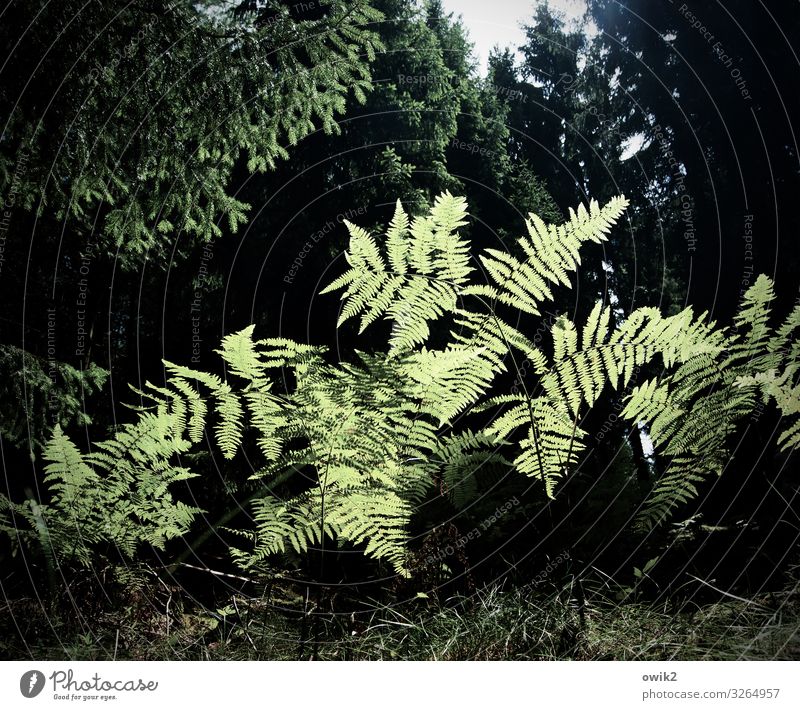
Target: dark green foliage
[138,142]
[40,393]
[126,131]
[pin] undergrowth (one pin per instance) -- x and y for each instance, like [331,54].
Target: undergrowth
[523,623]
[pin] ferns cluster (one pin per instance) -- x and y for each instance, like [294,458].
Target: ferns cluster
[117,495]
[364,443]
[692,411]
[710,378]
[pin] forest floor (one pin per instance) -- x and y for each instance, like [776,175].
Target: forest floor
[489,624]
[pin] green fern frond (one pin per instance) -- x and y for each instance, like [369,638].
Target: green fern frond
[552,253]
[694,410]
[678,486]
[428,262]
[118,493]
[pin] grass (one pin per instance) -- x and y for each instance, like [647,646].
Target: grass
[491,624]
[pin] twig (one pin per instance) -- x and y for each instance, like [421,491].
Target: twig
[728,594]
[215,572]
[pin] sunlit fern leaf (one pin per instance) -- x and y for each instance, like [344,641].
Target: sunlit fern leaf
[239,352]
[66,473]
[596,328]
[694,410]
[646,402]
[428,263]
[552,253]
[448,381]
[790,437]
[754,313]
[397,242]
[197,407]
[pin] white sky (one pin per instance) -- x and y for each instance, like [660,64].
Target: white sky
[492,22]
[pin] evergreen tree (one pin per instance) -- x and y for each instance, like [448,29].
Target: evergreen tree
[125,130]
[430,124]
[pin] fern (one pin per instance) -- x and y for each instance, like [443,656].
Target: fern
[418,281]
[692,411]
[777,379]
[463,456]
[118,494]
[364,443]
[552,253]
